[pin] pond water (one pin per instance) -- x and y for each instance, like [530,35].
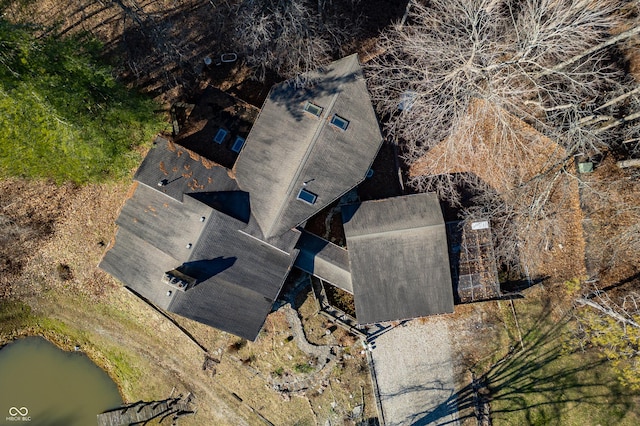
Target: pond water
[43,385]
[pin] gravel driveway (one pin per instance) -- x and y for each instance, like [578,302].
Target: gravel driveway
[414,372]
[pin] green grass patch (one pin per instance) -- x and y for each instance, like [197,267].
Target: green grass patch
[123,365]
[303,368]
[14,316]
[552,381]
[63,115]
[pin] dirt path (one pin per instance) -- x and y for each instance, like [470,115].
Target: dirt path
[413,365]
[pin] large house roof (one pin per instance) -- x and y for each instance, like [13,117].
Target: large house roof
[232,235]
[398,258]
[238,276]
[290,149]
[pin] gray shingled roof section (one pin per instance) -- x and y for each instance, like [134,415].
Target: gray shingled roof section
[258,266]
[398,257]
[140,266]
[392,214]
[288,147]
[240,295]
[163,222]
[240,276]
[324,260]
[154,230]
[227,307]
[183,171]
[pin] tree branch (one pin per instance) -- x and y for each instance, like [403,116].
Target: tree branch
[613,40]
[608,311]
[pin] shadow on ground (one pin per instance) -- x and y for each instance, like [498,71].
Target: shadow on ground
[161,45]
[541,378]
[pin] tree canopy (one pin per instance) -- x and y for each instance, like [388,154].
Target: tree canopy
[292,37]
[498,97]
[63,115]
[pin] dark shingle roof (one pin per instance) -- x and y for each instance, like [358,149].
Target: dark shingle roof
[325,260]
[139,265]
[238,275]
[398,258]
[246,277]
[183,171]
[164,222]
[288,147]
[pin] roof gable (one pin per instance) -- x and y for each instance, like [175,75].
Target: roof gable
[289,149]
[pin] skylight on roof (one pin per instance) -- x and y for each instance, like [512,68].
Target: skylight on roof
[238,144]
[339,122]
[313,109]
[219,138]
[307,197]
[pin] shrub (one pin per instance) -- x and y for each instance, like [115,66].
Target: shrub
[303,368]
[237,345]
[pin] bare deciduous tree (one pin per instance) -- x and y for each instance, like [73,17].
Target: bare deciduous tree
[535,60]
[291,37]
[471,81]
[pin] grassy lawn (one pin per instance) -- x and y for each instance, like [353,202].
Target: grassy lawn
[549,379]
[63,116]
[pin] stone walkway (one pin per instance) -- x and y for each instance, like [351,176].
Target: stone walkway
[322,353]
[326,359]
[413,369]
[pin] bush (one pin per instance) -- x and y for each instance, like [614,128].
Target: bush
[303,368]
[64,272]
[237,345]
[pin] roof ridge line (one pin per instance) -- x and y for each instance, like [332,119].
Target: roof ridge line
[316,135]
[263,241]
[403,229]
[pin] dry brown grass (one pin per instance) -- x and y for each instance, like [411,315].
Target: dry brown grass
[497,147]
[611,199]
